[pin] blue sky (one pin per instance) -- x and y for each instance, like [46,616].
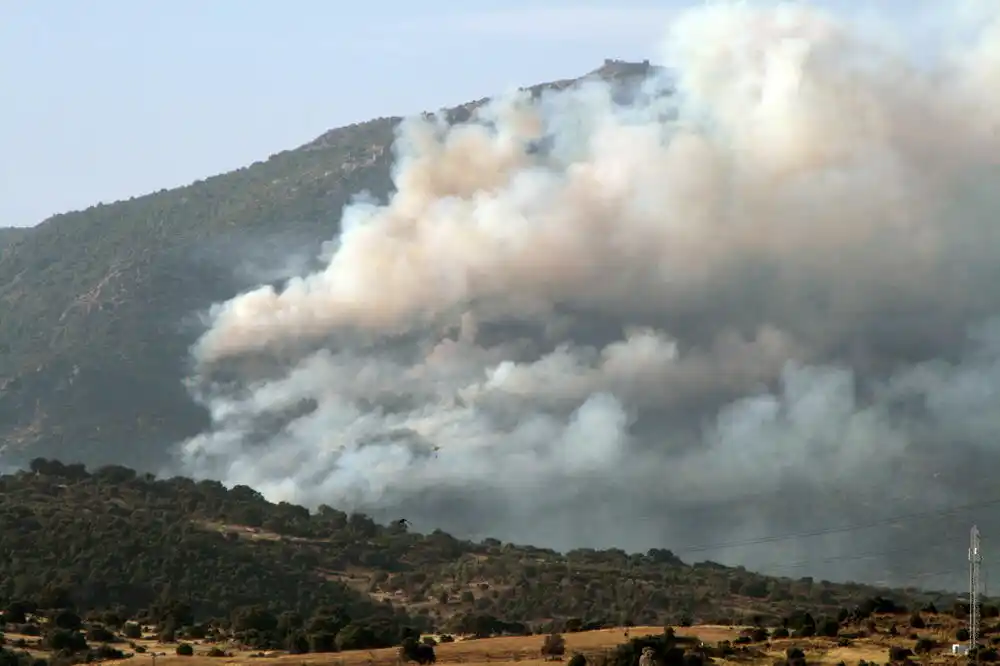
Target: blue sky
[115,98]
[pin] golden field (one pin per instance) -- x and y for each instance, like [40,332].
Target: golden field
[524,650]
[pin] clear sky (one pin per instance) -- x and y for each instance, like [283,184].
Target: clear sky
[108,99]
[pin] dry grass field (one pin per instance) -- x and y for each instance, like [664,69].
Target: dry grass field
[525,650]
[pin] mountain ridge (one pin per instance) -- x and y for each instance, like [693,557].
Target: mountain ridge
[104,301]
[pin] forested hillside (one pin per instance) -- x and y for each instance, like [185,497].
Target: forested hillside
[117,539]
[99,306]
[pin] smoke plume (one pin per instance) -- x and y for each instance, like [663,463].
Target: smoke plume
[766,303]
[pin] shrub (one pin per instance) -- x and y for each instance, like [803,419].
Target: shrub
[899,653]
[577,660]
[554,646]
[185,650]
[828,627]
[105,653]
[67,620]
[986,655]
[917,622]
[99,634]
[413,650]
[59,640]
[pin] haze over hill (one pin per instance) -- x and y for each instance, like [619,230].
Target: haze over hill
[761,305]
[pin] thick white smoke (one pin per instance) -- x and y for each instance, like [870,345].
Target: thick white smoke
[761,304]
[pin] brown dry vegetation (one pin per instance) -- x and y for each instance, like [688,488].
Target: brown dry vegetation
[595,645]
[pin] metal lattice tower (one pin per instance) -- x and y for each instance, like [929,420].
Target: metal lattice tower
[975,559]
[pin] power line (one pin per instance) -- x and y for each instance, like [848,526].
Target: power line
[882,522]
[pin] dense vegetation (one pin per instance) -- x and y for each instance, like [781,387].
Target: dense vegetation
[118,539]
[91,559]
[93,342]
[8,235]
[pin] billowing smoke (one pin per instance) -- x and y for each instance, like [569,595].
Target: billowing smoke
[764,304]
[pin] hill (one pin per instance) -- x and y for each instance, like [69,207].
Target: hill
[95,557]
[93,345]
[118,539]
[9,235]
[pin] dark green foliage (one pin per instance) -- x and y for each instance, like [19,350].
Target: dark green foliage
[794,656]
[577,660]
[899,653]
[104,653]
[67,620]
[413,650]
[321,641]
[185,650]
[983,654]
[917,622]
[18,658]
[63,640]
[962,634]
[554,646]
[667,651]
[100,634]
[177,553]
[356,636]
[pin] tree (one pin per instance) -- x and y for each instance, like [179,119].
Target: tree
[359,637]
[323,641]
[99,634]
[253,618]
[554,646]
[185,650]
[67,620]
[62,640]
[828,627]
[413,650]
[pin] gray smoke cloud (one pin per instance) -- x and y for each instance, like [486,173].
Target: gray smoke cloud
[764,304]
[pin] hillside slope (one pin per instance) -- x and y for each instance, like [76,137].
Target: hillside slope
[117,539]
[8,235]
[99,305]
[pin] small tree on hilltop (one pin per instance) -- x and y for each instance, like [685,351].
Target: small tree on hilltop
[554,646]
